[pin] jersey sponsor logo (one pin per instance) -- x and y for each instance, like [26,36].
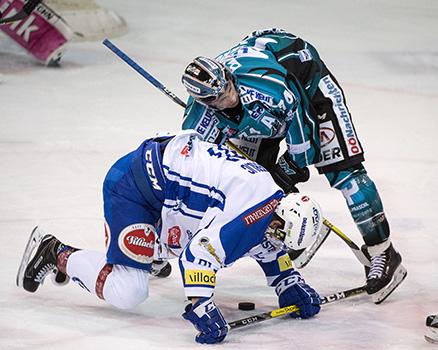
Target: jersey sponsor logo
[284,263]
[150,170]
[174,237]
[305,55]
[188,147]
[200,277]
[260,212]
[334,93]
[302,231]
[185,151]
[248,95]
[359,207]
[249,145]
[326,135]
[137,242]
[330,150]
[207,122]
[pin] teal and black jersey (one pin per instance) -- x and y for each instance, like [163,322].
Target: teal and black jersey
[299,57]
[272,106]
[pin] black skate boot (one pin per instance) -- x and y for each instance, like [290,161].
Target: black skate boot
[161,269]
[59,278]
[432,329]
[33,270]
[386,271]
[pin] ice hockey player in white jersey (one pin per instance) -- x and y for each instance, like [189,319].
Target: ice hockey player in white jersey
[201,202]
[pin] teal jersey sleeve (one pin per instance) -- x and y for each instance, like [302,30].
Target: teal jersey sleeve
[202,119]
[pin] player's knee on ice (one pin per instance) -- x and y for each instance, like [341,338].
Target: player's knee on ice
[124,287]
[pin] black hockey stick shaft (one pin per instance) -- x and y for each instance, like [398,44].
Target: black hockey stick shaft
[361,257]
[247,321]
[28,7]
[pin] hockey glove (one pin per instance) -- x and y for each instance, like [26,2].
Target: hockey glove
[293,290]
[208,320]
[161,269]
[287,174]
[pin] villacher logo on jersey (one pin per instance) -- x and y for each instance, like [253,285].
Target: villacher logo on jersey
[261,212]
[137,242]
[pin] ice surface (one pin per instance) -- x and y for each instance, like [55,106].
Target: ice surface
[60,129]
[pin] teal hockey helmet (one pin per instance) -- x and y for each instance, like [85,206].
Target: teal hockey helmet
[206,79]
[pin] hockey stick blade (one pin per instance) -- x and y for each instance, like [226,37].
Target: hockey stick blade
[304,258]
[292,308]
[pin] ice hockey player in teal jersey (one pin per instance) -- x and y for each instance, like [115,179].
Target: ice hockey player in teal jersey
[273,86]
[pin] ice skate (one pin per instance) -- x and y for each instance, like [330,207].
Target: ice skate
[59,278]
[432,329]
[386,271]
[44,249]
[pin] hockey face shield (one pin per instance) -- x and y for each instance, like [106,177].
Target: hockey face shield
[209,83]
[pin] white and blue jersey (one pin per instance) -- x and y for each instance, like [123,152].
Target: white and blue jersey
[209,206]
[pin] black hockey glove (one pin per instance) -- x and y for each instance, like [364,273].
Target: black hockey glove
[287,174]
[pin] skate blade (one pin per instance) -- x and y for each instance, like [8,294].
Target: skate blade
[432,335]
[399,275]
[304,258]
[34,241]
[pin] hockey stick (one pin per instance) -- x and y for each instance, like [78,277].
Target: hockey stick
[28,7]
[293,308]
[318,242]
[353,246]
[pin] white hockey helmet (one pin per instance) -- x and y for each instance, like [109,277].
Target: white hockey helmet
[302,220]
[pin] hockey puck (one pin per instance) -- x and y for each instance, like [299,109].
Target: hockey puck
[246,306]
